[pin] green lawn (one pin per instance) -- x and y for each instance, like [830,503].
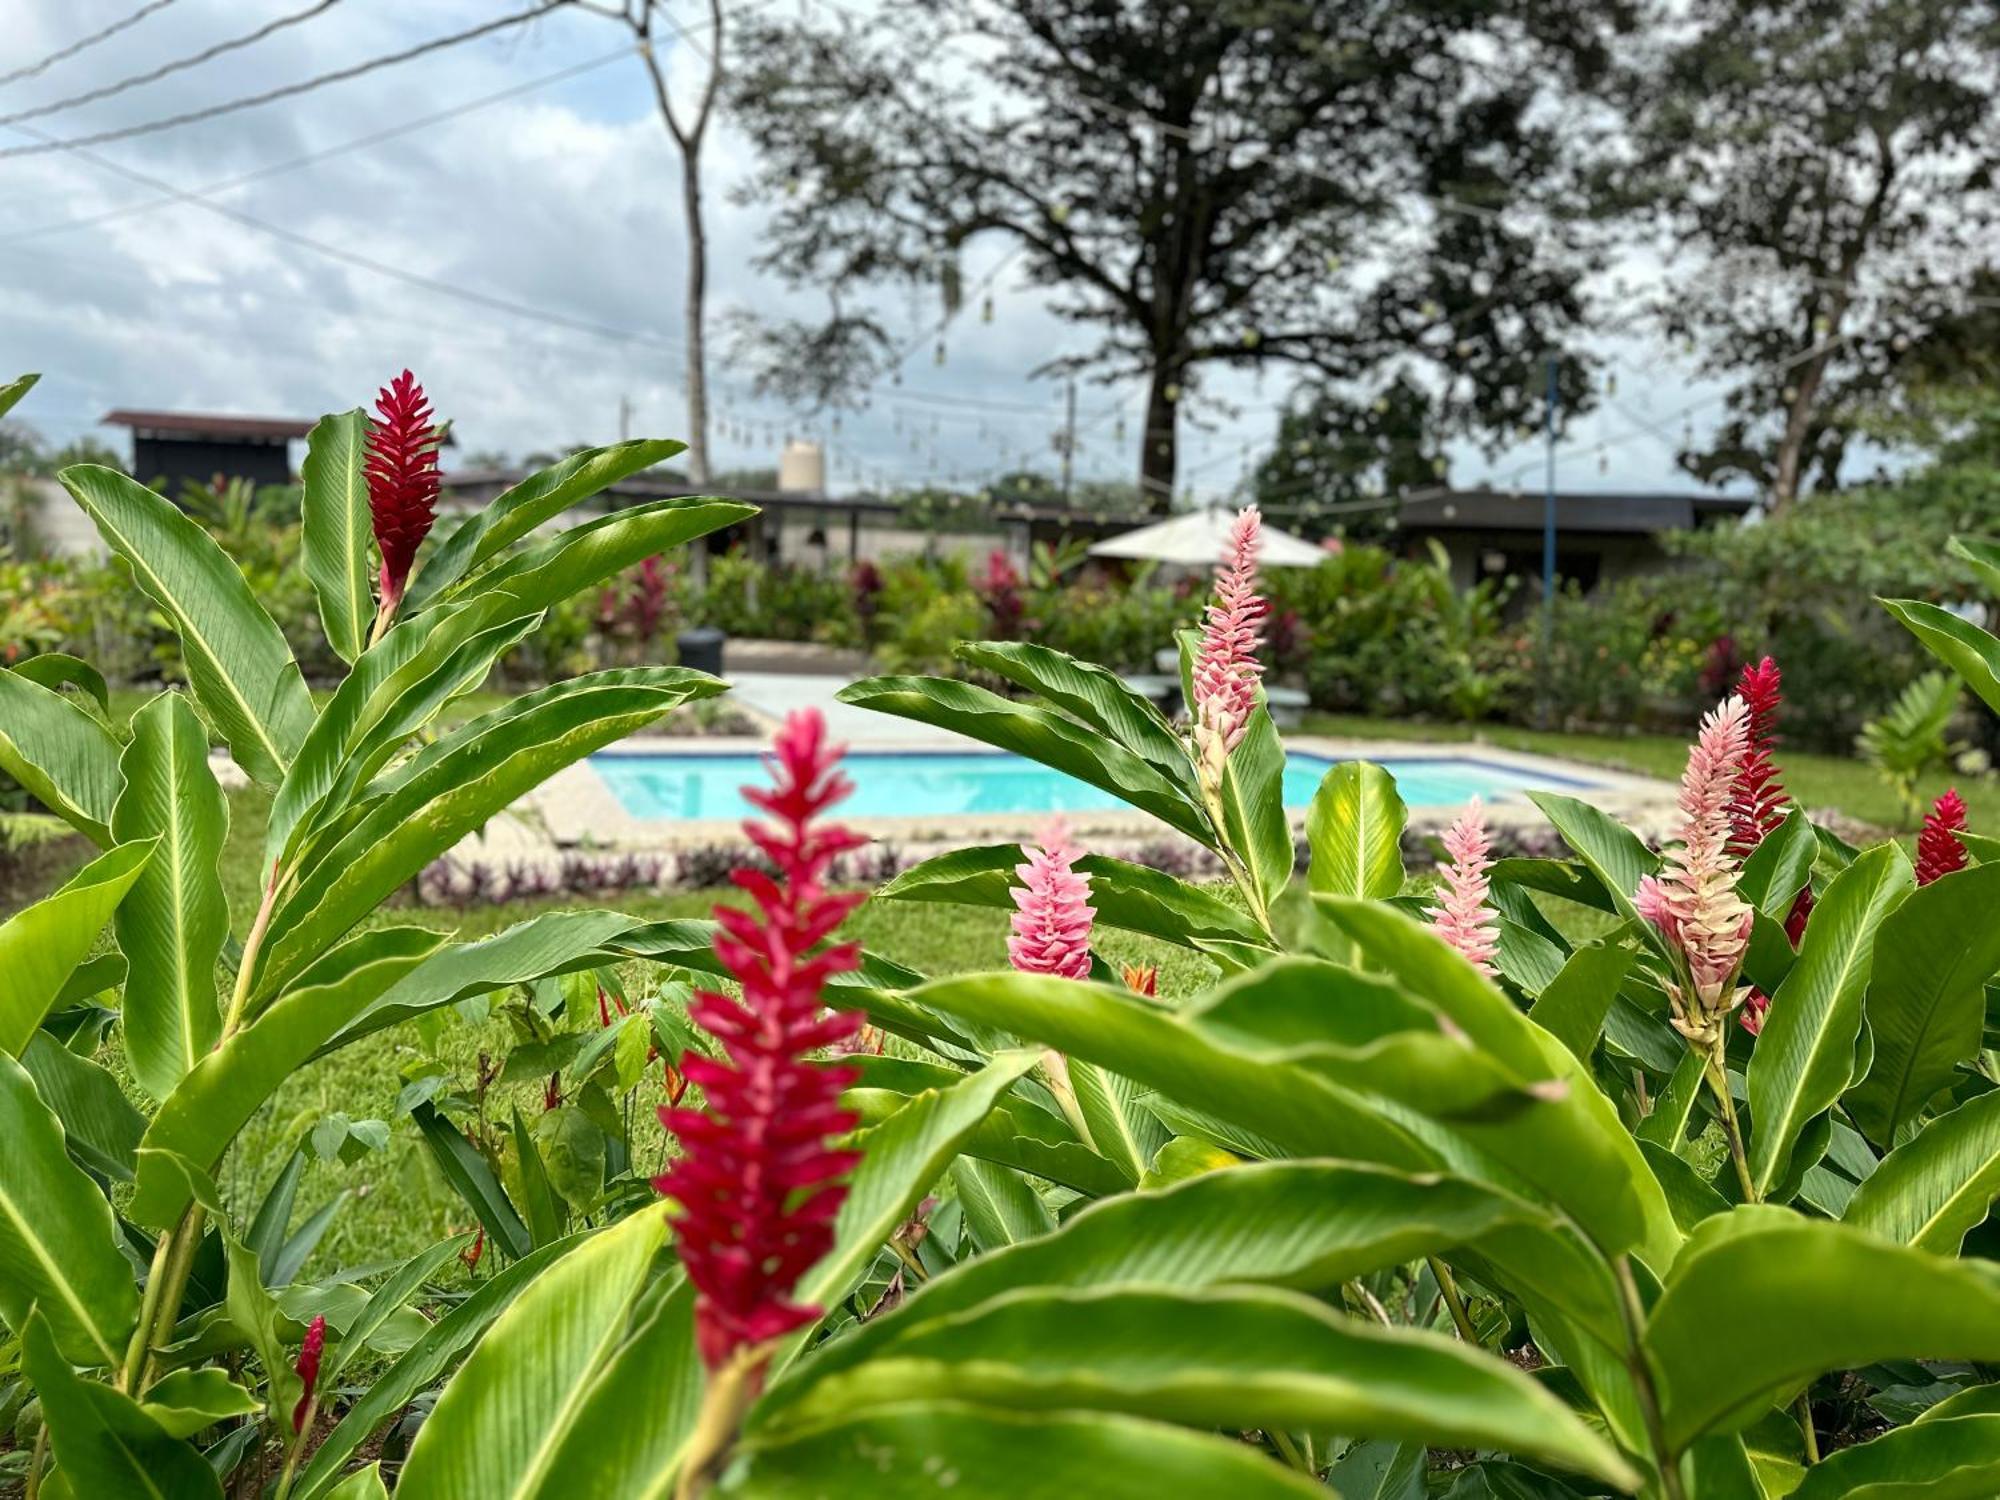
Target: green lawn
[1818,782]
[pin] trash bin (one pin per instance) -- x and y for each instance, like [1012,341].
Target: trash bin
[701,649]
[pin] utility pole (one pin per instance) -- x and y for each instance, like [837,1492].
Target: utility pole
[1069,438]
[1549,549]
[624,418]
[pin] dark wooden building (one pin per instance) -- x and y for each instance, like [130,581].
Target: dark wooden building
[170,447]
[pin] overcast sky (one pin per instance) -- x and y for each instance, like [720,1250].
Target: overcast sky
[564,199]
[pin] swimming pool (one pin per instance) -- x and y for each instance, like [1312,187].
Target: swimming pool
[919,783]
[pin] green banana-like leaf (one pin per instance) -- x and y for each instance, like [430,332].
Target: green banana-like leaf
[982,1454]
[1572,1006]
[1118,1031]
[1936,1187]
[1956,1459]
[1041,734]
[1959,644]
[102,1127]
[452,787]
[336,529]
[397,1288]
[1253,808]
[1805,1055]
[172,923]
[1571,1145]
[1984,557]
[55,670]
[542,1207]
[502,1418]
[1092,694]
[1926,998]
[1122,1130]
[1125,895]
[1779,867]
[1763,1300]
[515,512]
[63,757]
[1238,1358]
[202,1114]
[1355,827]
[58,1245]
[1001,1206]
[472,1178]
[1308,1225]
[1609,850]
[42,945]
[12,392]
[104,1443]
[420,1365]
[185,1402]
[362,1484]
[237,660]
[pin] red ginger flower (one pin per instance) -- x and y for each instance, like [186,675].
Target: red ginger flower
[1757,805]
[402,479]
[1226,670]
[1939,849]
[1052,927]
[1465,920]
[757,1183]
[307,1369]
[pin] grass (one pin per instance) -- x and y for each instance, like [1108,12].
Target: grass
[1818,782]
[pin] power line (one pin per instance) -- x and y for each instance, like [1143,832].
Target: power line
[284,91]
[374,138]
[179,65]
[84,43]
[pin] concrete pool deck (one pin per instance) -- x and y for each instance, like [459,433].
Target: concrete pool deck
[578,809]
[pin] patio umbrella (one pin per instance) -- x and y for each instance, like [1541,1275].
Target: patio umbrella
[1198,539]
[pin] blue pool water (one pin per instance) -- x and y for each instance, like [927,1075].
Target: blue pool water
[907,783]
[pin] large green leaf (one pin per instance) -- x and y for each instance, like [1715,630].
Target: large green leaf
[1571,1145]
[473,1179]
[41,945]
[1984,557]
[1125,895]
[1926,998]
[63,757]
[922,1450]
[1779,867]
[1001,1206]
[1936,1187]
[172,923]
[656,1370]
[1956,1459]
[104,1443]
[421,1364]
[1763,1300]
[453,787]
[336,529]
[1091,693]
[397,1288]
[1805,1055]
[515,512]
[1138,1040]
[1253,809]
[228,1085]
[1608,849]
[1355,827]
[58,1246]
[1237,1358]
[1122,1130]
[1959,644]
[12,392]
[237,659]
[501,1420]
[1040,734]
[1307,1225]
[102,1127]
[1572,1006]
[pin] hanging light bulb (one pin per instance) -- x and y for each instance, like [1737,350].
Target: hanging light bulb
[1603,462]
[939,359]
[1611,384]
[1118,429]
[986,309]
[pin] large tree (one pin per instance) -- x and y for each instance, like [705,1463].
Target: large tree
[1820,176]
[1362,192]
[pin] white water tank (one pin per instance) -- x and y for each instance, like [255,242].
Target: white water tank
[802,468]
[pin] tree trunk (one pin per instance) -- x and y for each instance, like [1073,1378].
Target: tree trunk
[1798,425]
[697,293]
[1158,444]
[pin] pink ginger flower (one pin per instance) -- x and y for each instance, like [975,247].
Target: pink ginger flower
[1465,920]
[1694,900]
[1227,670]
[1052,928]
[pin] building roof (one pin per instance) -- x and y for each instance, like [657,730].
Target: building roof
[1629,514]
[195,424]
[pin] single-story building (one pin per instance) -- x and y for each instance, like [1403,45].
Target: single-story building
[1599,537]
[170,448]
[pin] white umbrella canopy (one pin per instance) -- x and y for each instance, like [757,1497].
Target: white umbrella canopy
[1199,538]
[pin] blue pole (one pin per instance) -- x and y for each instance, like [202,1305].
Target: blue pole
[1549,547]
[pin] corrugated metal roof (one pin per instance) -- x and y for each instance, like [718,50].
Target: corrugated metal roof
[1500,510]
[207,424]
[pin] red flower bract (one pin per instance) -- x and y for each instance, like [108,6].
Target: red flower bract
[1757,805]
[1939,848]
[402,479]
[757,1183]
[307,1368]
